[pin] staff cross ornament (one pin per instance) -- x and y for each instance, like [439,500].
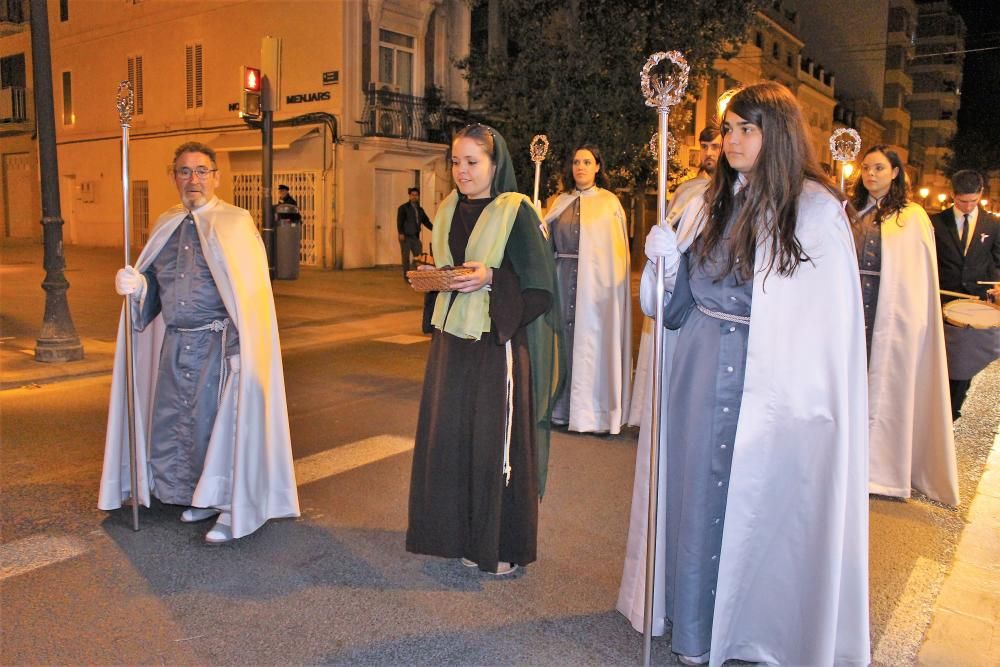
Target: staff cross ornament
[845,144]
[667,90]
[125,103]
[539,147]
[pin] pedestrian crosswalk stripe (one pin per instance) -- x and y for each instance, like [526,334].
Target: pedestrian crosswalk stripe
[348,457]
[37,551]
[403,339]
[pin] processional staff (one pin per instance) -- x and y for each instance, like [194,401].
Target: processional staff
[125,103]
[539,147]
[845,144]
[661,92]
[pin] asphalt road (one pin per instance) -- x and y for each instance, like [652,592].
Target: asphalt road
[336,586]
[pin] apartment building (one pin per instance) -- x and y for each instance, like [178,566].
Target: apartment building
[378,71]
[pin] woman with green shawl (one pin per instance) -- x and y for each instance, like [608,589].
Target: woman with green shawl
[481,449]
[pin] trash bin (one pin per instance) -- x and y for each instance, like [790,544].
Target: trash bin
[287,239]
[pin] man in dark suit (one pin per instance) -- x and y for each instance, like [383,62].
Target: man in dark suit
[409,217]
[968,251]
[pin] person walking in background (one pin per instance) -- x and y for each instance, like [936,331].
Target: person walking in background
[481,449]
[589,234]
[409,217]
[211,414]
[764,528]
[910,437]
[285,197]
[967,240]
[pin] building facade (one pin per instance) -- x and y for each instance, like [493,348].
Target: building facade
[372,81]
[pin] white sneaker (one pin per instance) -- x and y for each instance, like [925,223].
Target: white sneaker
[469,563]
[196,514]
[222,531]
[693,660]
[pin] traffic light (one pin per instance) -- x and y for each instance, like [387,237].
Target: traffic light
[250,106]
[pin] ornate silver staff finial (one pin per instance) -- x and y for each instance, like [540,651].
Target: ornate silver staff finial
[539,147]
[845,149]
[668,90]
[125,103]
[654,142]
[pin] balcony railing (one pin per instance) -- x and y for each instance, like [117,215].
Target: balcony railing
[402,116]
[12,11]
[13,105]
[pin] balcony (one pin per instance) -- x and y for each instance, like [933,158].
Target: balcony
[13,17]
[402,116]
[15,115]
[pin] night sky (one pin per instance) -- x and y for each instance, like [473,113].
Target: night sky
[981,76]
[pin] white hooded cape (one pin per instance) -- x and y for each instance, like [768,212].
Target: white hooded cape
[601,379]
[248,464]
[912,441]
[793,573]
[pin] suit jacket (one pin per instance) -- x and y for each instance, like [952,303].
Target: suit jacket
[409,219]
[960,273]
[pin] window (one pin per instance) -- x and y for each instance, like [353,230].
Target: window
[135,78]
[775,50]
[12,73]
[194,98]
[395,60]
[140,213]
[758,40]
[67,85]
[64,10]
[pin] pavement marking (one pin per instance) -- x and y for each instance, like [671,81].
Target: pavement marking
[403,339]
[37,551]
[904,633]
[348,457]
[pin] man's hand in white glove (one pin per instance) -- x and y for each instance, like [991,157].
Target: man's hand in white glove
[129,282]
[662,242]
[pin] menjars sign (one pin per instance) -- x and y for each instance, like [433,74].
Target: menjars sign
[322,96]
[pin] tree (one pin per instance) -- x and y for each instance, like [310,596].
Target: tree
[972,149]
[570,70]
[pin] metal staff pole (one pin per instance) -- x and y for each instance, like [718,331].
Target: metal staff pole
[845,144]
[539,148]
[661,92]
[125,103]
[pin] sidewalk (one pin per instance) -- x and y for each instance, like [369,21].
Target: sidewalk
[326,306]
[319,306]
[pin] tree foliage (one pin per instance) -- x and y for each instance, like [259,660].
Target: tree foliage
[570,70]
[972,149]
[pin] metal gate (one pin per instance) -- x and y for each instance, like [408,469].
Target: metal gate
[302,187]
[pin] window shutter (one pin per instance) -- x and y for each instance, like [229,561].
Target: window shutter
[189,76]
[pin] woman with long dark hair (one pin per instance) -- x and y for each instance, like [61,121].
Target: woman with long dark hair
[911,437]
[481,449]
[589,234]
[765,515]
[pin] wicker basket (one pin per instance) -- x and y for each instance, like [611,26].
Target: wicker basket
[435,280]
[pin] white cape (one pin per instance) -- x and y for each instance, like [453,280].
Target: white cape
[601,377]
[912,441]
[248,464]
[642,384]
[793,574]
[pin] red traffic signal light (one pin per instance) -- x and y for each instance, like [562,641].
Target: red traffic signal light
[251,79]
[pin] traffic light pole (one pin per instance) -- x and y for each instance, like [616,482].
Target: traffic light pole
[267,175]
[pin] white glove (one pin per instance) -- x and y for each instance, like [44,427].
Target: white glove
[662,242]
[129,282]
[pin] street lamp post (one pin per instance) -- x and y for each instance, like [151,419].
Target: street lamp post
[58,340]
[924,192]
[941,199]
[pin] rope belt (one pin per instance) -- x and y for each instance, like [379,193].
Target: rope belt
[566,255]
[719,315]
[509,417]
[865,272]
[216,326]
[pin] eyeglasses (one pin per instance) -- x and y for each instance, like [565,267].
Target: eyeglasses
[186,172]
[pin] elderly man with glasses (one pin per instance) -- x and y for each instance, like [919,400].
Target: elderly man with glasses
[210,411]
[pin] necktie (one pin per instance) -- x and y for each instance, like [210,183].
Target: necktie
[965,233]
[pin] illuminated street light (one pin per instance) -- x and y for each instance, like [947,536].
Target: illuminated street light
[848,170]
[941,199]
[924,192]
[984,202]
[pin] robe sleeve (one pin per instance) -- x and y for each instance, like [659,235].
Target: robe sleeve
[148,307]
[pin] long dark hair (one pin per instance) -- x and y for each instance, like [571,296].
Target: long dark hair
[898,194]
[785,162]
[600,178]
